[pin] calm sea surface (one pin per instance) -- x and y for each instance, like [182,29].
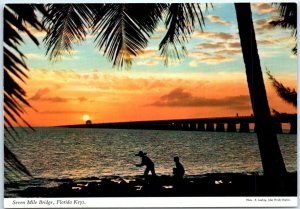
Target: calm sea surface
[59,153]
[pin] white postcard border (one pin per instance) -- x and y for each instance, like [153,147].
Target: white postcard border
[153,202]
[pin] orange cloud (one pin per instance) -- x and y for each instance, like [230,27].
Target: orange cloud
[216,59]
[265,24]
[148,62]
[214,35]
[211,45]
[197,54]
[148,53]
[217,19]
[273,41]
[229,51]
[264,8]
[235,45]
[35,32]
[260,21]
[33,56]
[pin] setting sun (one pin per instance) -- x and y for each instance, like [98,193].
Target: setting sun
[86,117]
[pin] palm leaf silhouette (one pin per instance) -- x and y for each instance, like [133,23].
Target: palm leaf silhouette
[123,30]
[67,24]
[288,13]
[180,24]
[287,94]
[17,18]
[13,167]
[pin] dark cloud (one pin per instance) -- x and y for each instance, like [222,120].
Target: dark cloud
[180,98]
[39,94]
[82,99]
[54,99]
[176,94]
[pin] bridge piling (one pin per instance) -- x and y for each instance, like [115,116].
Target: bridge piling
[186,126]
[210,127]
[278,128]
[201,127]
[244,128]
[231,127]
[220,127]
[293,127]
[193,126]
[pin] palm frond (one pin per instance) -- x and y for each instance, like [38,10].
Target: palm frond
[180,24]
[13,164]
[287,94]
[66,24]
[288,14]
[123,30]
[17,17]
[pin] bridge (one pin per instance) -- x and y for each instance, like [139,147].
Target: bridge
[218,124]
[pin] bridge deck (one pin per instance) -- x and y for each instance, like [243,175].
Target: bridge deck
[285,118]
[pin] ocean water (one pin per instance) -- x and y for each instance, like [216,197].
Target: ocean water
[61,153]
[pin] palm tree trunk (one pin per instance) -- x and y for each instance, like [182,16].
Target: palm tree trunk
[272,161]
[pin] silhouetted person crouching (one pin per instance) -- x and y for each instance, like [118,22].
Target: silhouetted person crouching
[179,170]
[147,162]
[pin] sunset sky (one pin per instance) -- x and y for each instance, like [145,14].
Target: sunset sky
[209,82]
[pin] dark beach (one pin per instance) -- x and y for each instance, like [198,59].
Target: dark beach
[217,184]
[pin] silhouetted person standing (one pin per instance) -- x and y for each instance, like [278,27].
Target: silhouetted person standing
[179,170]
[147,162]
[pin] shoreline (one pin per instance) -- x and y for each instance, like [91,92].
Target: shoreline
[211,184]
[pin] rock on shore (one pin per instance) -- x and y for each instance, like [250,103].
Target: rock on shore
[221,184]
